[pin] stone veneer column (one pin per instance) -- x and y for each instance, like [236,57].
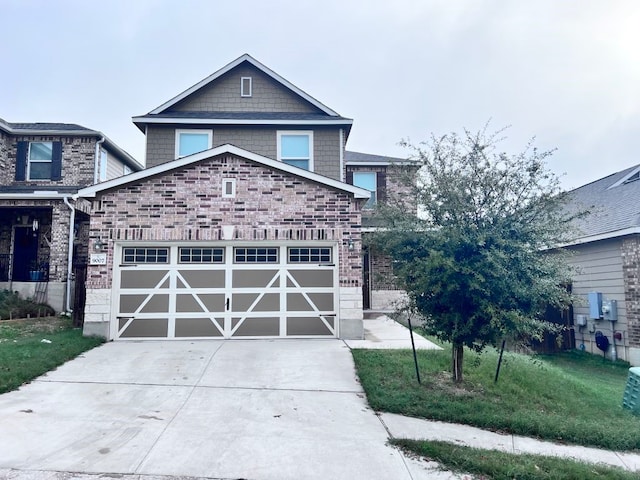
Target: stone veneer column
[631,276]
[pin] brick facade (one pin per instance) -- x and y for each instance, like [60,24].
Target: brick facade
[631,272]
[187,205]
[78,165]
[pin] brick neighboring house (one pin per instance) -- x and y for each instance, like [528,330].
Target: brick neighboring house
[607,255]
[242,225]
[43,230]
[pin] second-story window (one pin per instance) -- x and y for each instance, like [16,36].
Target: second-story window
[369,181]
[296,148]
[40,160]
[189,142]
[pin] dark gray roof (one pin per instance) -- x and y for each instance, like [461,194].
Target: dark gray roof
[320,117]
[613,206]
[45,126]
[357,157]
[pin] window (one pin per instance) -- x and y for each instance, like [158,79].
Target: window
[201,255]
[368,181]
[245,86]
[40,160]
[145,255]
[296,148]
[310,255]
[228,188]
[255,255]
[189,142]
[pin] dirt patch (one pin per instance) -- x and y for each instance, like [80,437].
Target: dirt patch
[444,383]
[35,325]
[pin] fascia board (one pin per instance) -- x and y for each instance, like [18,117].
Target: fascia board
[91,191]
[248,58]
[603,236]
[231,121]
[34,196]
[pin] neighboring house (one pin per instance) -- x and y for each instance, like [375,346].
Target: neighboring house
[43,231]
[242,225]
[607,256]
[378,174]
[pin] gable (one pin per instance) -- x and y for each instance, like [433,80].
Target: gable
[224,95]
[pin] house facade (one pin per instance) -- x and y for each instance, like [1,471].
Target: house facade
[43,230]
[242,226]
[606,257]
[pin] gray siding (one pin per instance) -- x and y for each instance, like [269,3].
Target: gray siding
[161,145]
[259,140]
[599,267]
[223,95]
[115,166]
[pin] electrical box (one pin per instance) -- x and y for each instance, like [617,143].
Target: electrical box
[581,320]
[595,305]
[610,310]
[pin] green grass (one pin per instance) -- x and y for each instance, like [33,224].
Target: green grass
[574,398]
[504,466]
[24,356]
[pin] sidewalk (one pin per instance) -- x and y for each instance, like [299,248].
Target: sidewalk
[384,333]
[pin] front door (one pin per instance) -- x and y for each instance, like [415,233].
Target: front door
[25,253]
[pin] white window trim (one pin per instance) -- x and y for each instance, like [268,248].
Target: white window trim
[308,133]
[29,161]
[225,182]
[180,131]
[244,93]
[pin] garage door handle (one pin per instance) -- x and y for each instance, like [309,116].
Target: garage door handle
[227,304]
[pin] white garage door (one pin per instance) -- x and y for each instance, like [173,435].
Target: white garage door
[225,291]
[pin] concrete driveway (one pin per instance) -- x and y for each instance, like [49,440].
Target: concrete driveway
[254,409]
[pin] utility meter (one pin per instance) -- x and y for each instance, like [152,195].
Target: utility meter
[610,310]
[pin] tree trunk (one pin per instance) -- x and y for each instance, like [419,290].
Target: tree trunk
[457,352]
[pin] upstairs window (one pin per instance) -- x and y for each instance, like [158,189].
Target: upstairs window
[368,181]
[296,148]
[189,142]
[40,158]
[39,161]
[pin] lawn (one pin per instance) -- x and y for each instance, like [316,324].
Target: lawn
[29,348]
[504,466]
[571,398]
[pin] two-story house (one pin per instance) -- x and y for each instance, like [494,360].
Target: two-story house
[242,224]
[42,228]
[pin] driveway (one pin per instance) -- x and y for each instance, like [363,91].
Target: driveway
[254,409]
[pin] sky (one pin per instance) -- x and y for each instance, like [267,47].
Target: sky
[565,72]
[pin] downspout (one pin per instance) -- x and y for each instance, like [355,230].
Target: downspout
[72,221]
[96,167]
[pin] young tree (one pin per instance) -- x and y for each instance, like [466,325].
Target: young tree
[474,256]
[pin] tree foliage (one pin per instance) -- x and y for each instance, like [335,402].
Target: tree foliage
[474,256]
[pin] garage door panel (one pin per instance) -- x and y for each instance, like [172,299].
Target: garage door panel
[267,302]
[156,304]
[146,328]
[301,326]
[131,303]
[256,327]
[187,303]
[198,327]
[202,279]
[143,279]
[215,302]
[310,278]
[254,278]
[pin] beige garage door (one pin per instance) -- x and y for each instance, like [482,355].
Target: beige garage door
[227,291]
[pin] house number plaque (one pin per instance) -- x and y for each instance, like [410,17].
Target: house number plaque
[98,259]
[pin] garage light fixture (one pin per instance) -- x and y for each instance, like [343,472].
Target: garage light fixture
[351,245]
[98,246]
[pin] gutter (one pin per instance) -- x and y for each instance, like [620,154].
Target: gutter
[96,167]
[72,220]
